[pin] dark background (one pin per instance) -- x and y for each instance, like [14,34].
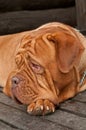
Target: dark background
[22,15]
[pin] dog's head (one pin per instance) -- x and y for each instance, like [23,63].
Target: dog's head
[44,65]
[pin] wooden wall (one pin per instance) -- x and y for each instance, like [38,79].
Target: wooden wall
[81,14]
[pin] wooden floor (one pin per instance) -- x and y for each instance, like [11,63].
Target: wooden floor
[70,116]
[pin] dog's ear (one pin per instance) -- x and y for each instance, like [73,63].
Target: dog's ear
[68,50]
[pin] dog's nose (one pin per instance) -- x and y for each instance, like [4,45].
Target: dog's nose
[15,81]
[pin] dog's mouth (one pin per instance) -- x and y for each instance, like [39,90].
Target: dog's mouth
[16,99]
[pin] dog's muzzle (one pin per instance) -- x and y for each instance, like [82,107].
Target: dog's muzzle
[25,90]
[15,83]
[22,89]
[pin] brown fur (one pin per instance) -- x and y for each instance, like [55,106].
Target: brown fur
[58,51]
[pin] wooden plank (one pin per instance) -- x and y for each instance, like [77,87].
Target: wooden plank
[71,113]
[68,119]
[4,126]
[74,107]
[81,14]
[81,97]
[10,102]
[10,22]
[56,120]
[7,5]
[24,121]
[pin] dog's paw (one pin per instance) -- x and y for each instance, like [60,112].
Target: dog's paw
[41,107]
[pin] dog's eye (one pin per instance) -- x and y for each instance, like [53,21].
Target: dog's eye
[36,67]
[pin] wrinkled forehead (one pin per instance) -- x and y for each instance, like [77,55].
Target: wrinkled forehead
[42,49]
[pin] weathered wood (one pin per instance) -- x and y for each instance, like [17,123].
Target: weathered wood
[81,97]
[81,14]
[74,107]
[8,5]
[18,21]
[70,116]
[68,119]
[8,101]
[4,126]
[22,120]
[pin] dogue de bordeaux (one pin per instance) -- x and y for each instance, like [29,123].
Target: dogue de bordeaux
[43,67]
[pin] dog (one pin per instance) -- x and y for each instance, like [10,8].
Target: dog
[43,67]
